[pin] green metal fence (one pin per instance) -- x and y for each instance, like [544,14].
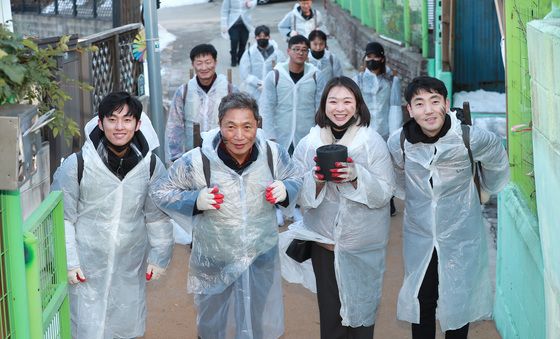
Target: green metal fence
[34,292]
[15,315]
[46,268]
[405,21]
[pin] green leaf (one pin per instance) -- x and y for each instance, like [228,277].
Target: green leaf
[15,73]
[30,44]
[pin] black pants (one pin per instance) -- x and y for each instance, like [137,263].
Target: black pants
[238,36]
[428,297]
[329,301]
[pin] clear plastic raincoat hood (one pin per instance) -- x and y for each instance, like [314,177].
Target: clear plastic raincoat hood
[118,230]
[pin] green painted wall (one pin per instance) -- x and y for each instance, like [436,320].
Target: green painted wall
[523,283]
[519,310]
[543,37]
[517,14]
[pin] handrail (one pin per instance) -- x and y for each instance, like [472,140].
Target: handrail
[91,39]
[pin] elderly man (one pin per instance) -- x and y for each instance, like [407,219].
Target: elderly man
[230,187]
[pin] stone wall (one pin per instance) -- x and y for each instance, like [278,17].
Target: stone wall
[43,26]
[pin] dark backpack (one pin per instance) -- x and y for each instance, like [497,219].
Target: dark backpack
[80,158]
[464,115]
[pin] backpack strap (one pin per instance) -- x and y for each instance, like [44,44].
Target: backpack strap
[185,90]
[403,138]
[80,159]
[276,77]
[474,166]
[205,168]
[152,164]
[270,159]
[332,61]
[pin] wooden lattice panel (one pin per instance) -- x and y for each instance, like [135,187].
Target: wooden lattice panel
[102,72]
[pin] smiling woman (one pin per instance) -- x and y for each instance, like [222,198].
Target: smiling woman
[350,212]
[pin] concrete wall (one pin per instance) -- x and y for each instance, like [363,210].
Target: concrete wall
[44,26]
[543,38]
[353,38]
[519,311]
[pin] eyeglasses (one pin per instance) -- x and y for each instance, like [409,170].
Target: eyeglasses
[300,50]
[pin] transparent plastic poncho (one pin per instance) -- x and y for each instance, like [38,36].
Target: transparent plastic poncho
[226,242]
[253,68]
[118,230]
[288,109]
[355,220]
[447,217]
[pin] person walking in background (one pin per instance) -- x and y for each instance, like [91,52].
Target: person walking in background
[230,187]
[350,212]
[302,19]
[236,21]
[319,56]
[195,101]
[116,237]
[258,60]
[381,90]
[444,237]
[290,96]
[382,94]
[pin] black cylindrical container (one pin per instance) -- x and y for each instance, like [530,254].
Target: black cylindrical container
[328,155]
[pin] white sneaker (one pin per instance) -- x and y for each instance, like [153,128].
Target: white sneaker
[279,217]
[297,214]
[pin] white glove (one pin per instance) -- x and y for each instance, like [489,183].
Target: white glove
[293,33]
[154,272]
[276,192]
[75,276]
[344,171]
[209,199]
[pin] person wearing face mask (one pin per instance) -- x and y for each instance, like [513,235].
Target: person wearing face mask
[346,218]
[381,90]
[258,60]
[445,250]
[236,21]
[319,56]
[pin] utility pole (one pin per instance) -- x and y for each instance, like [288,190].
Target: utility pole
[154,72]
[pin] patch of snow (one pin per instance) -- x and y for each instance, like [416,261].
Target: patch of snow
[481,101]
[178,3]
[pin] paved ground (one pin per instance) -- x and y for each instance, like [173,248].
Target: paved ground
[170,310]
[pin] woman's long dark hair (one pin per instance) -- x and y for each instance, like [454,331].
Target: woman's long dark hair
[362,111]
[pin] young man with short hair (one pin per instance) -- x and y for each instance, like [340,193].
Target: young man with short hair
[116,238]
[258,60]
[290,96]
[195,101]
[229,187]
[444,239]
